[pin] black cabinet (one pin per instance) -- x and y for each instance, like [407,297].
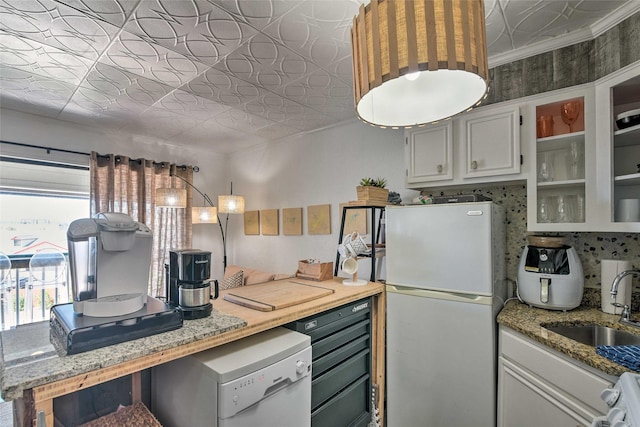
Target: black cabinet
[341,364]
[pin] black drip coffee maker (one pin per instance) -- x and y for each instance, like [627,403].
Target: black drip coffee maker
[188,282]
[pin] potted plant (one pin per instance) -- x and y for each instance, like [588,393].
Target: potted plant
[373,191]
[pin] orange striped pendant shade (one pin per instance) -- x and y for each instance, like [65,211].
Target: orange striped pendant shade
[418,61]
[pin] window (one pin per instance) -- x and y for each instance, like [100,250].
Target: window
[38,200]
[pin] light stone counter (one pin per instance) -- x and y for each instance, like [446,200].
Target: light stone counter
[531,322]
[34,382]
[30,360]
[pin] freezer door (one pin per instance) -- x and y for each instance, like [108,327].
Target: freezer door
[442,247]
[441,362]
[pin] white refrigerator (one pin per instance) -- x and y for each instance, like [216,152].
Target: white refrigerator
[446,283]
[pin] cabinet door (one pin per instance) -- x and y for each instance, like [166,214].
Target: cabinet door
[491,143]
[526,402]
[561,187]
[429,151]
[618,150]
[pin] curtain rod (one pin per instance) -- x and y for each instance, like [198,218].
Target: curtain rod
[46,148]
[139,161]
[49,149]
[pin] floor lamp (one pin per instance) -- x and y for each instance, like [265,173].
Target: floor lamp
[227,204]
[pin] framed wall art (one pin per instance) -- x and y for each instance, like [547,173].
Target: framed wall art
[292,221]
[269,222]
[319,219]
[354,220]
[252,223]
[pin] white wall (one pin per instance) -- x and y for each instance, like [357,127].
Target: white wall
[323,167]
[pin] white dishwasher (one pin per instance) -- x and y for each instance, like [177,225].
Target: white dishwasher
[261,380]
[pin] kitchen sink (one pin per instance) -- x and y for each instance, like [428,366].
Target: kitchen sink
[595,335]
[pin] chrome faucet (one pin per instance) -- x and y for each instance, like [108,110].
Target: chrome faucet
[626,310]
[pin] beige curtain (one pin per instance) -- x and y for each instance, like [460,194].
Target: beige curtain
[121,184]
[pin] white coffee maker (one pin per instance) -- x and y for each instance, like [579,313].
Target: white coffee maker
[110,258]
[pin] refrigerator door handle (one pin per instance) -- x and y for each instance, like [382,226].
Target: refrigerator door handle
[448,296]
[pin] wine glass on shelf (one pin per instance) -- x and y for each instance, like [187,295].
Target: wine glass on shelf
[543,210]
[564,213]
[574,160]
[569,111]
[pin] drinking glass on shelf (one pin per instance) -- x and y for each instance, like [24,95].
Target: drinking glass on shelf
[544,214]
[569,111]
[580,208]
[574,160]
[545,172]
[544,126]
[563,207]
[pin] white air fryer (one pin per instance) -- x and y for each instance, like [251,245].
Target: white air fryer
[550,278]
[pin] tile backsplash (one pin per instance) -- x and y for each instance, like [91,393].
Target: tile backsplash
[591,247]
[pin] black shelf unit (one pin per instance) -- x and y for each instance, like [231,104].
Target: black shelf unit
[376,216]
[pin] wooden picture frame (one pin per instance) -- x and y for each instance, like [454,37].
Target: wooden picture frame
[354,220]
[292,221]
[252,223]
[319,219]
[269,222]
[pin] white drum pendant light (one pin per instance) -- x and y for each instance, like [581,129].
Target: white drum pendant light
[418,62]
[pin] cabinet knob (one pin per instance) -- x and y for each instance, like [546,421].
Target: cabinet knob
[439,168]
[474,165]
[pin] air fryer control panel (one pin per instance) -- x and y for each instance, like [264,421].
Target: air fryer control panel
[547,260]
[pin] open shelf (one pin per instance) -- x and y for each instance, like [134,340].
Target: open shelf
[562,184]
[556,138]
[631,179]
[628,136]
[559,127]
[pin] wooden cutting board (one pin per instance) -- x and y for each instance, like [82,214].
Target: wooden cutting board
[275,295]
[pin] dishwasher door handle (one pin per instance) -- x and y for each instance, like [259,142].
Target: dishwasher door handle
[283,383]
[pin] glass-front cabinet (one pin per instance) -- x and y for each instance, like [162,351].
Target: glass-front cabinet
[618,149]
[626,151]
[587,159]
[563,161]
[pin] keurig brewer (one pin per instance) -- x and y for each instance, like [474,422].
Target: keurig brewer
[188,282]
[109,259]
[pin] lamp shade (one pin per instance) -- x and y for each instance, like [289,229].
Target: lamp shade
[204,215]
[418,62]
[231,204]
[171,197]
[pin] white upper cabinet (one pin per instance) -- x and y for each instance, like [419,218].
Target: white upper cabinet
[585,172]
[476,147]
[491,142]
[429,152]
[560,193]
[582,170]
[618,151]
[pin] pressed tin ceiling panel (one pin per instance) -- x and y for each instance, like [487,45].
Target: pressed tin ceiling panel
[224,75]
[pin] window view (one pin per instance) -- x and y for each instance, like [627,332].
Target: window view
[34,216]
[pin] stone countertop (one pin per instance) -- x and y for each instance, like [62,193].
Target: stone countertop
[29,363]
[530,322]
[30,360]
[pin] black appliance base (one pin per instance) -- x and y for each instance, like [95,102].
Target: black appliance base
[191,313]
[72,333]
